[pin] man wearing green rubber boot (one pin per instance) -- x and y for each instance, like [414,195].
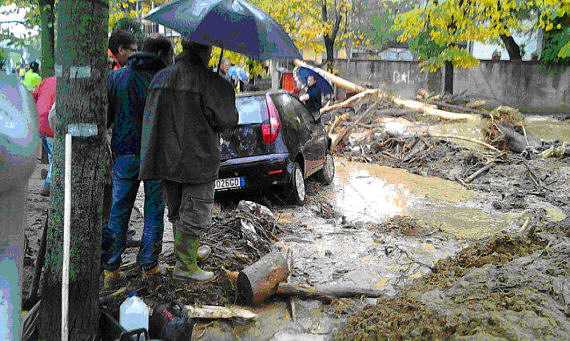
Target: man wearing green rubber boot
[187,107]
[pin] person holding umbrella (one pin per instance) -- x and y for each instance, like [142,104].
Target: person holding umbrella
[187,107]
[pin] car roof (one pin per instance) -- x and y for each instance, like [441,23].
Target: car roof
[258,93]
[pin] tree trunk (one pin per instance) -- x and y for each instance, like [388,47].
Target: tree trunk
[47,24]
[81,98]
[512,47]
[329,45]
[448,80]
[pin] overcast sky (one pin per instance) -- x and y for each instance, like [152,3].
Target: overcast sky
[18,30]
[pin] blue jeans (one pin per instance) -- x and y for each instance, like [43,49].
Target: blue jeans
[125,188]
[47,142]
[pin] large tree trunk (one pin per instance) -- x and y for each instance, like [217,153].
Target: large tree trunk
[47,24]
[448,77]
[81,98]
[512,47]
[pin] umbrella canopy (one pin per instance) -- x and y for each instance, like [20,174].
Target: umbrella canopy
[238,73]
[303,72]
[234,25]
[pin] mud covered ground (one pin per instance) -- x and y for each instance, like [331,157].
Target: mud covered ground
[512,286]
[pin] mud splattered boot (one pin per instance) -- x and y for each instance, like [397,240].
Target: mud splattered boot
[186,251]
[112,278]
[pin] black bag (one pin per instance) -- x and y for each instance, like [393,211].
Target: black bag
[170,322]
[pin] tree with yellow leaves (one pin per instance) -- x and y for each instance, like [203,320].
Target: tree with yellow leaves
[451,24]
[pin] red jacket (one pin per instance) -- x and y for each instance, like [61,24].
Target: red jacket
[45,97]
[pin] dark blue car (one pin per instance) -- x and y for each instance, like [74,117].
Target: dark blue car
[277,145]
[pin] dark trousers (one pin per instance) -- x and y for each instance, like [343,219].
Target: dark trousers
[189,207]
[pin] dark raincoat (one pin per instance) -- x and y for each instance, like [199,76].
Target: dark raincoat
[188,106]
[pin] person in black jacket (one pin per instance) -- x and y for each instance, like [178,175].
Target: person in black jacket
[128,88]
[312,98]
[188,106]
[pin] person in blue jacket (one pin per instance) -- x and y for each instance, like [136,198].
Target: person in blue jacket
[128,88]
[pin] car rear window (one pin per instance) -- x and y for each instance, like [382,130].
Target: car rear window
[251,109]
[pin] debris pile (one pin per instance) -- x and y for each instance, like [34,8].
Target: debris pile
[238,238]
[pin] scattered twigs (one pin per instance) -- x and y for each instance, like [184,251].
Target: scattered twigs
[479,172]
[533,177]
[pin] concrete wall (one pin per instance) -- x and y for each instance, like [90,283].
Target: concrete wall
[518,84]
[402,78]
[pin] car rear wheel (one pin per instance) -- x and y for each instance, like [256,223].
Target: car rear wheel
[326,175]
[295,190]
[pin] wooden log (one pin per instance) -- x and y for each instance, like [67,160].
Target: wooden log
[259,280]
[217,312]
[457,107]
[343,83]
[431,111]
[479,172]
[351,100]
[305,291]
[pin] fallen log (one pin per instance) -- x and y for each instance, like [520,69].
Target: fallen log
[479,172]
[518,142]
[343,83]
[431,111]
[464,139]
[457,107]
[216,312]
[327,294]
[347,103]
[259,280]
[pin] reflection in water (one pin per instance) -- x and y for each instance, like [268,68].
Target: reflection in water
[368,192]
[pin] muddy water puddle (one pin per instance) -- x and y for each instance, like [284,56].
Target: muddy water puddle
[348,251]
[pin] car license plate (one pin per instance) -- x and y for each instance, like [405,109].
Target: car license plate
[228,183]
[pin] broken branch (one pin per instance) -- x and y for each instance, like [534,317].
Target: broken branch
[464,139]
[479,172]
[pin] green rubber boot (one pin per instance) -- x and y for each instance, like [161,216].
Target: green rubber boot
[186,251]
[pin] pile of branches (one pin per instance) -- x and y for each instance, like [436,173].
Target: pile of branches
[241,238]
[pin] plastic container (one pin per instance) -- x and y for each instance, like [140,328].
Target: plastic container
[134,313]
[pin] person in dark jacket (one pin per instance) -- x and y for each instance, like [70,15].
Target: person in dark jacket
[128,89]
[312,98]
[187,107]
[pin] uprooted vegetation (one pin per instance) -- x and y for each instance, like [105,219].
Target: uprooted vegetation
[509,287]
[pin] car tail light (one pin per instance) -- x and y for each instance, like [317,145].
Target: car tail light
[271,130]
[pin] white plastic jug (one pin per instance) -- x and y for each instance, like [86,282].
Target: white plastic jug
[134,313]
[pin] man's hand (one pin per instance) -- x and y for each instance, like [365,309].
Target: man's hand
[304,97]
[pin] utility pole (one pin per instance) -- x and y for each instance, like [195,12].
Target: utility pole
[81,98]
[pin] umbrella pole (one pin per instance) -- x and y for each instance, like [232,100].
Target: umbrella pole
[220,60]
